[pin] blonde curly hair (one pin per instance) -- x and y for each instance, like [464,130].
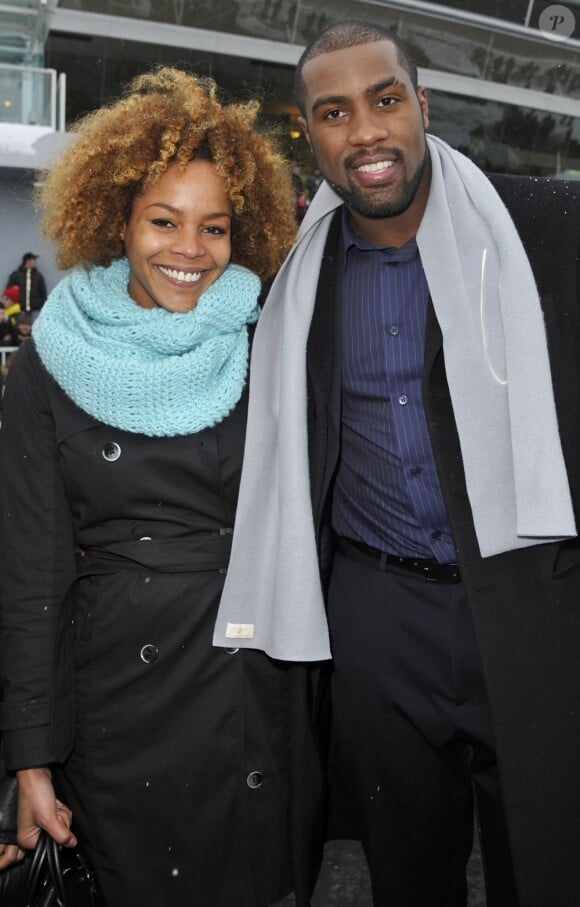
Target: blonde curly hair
[167,116]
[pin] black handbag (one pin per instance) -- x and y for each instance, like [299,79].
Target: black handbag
[58,877]
[51,876]
[8,807]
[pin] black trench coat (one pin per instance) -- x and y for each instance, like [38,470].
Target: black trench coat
[192,771]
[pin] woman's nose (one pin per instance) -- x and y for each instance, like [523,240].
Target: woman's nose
[189,242]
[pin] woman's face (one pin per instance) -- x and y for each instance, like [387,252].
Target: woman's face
[178,237]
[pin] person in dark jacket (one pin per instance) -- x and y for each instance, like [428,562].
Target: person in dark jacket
[188,773]
[427,385]
[7,330]
[30,282]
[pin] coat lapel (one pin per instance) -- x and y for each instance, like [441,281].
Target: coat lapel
[323,372]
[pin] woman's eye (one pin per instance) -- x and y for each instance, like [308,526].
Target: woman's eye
[215,231]
[161,222]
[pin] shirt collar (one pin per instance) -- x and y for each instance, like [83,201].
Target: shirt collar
[351,240]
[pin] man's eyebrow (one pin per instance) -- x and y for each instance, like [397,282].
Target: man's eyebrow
[393,82]
[338,99]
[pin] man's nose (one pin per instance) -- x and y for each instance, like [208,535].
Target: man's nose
[367,128]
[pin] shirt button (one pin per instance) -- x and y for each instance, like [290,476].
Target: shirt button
[403,399]
[436,534]
[254,780]
[149,654]
[415,470]
[394,330]
[111,451]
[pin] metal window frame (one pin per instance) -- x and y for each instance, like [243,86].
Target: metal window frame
[231,45]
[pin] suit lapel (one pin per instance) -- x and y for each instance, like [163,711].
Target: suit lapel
[323,371]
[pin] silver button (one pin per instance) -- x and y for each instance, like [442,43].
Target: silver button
[145,538]
[254,780]
[149,653]
[232,651]
[403,399]
[111,451]
[393,330]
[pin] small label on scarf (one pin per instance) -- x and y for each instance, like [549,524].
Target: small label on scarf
[239,631]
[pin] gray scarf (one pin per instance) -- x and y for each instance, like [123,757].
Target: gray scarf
[496,361]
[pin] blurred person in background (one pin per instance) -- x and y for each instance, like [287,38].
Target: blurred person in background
[30,283]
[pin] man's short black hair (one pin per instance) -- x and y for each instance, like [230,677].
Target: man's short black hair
[351,33]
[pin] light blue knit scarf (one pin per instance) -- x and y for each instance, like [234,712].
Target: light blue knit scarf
[148,371]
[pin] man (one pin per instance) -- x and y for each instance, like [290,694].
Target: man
[445,469]
[30,283]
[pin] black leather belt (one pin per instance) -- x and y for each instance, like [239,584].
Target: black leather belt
[430,570]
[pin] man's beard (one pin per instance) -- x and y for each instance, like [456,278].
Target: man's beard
[367,206]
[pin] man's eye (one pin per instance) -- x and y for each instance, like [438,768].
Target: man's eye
[335,114]
[387,102]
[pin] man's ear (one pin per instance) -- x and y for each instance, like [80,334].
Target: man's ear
[304,127]
[423,104]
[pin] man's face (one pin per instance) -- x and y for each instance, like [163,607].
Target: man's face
[30,263]
[366,126]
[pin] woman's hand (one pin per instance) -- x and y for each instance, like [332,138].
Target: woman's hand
[10,853]
[38,808]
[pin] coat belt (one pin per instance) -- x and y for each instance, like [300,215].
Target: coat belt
[188,554]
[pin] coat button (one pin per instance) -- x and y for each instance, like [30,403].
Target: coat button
[232,651]
[149,654]
[254,780]
[111,451]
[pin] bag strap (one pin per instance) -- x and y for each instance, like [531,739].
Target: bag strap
[35,870]
[45,872]
[53,853]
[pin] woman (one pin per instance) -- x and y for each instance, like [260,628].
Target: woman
[189,770]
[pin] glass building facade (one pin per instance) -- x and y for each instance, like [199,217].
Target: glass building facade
[500,87]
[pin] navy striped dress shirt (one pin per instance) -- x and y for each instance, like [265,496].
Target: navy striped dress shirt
[387,492]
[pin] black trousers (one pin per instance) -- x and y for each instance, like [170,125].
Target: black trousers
[413,738]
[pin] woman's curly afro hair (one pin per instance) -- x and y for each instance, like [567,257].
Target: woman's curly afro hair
[165,117]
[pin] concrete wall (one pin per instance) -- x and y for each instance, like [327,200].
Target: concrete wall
[20,231]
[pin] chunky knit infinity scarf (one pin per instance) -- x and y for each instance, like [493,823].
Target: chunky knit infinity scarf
[148,371]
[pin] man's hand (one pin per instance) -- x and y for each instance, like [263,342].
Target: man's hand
[38,808]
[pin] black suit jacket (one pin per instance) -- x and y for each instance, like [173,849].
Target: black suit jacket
[526,603]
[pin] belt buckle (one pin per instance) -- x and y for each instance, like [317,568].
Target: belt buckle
[426,573]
